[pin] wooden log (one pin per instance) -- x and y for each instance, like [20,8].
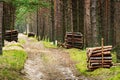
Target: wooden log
[107,53]
[11,32]
[76,44]
[31,34]
[98,51]
[104,66]
[92,64]
[100,58]
[104,50]
[97,48]
[70,38]
[73,33]
[75,40]
[99,61]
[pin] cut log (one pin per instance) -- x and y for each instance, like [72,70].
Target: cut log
[92,64]
[98,51]
[11,35]
[99,61]
[74,40]
[107,53]
[100,58]
[99,48]
[104,66]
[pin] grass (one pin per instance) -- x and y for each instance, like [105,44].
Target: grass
[33,39]
[12,62]
[102,73]
[21,41]
[15,44]
[13,59]
[81,58]
[48,44]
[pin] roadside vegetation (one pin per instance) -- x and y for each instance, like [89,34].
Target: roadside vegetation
[12,62]
[79,56]
[48,44]
[102,73]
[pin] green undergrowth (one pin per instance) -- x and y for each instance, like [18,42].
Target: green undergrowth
[12,62]
[48,44]
[33,39]
[21,41]
[102,73]
[14,44]
[80,57]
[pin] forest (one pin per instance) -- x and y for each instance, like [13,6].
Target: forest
[50,19]
[95,19]
[59,39]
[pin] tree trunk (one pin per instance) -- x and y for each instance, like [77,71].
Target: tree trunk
[1,25]
[52,20]
[58,20]
[87,25]
[93,23]
[74,15]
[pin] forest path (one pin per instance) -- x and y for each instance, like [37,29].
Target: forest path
[48,64]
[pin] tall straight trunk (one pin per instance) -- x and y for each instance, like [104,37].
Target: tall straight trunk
[37,24]
[74,15]
[64,2]
[70,12]
[112,30]
[117,22]
[87,25]
[106,23]
[52,20]
[1,25]
[81,16]
[117,28]
[58,20]
[93,23]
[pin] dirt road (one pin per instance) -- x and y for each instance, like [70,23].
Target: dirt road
[48,64]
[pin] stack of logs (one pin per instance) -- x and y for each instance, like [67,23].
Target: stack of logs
[99,57]
[74,40]
[11,35]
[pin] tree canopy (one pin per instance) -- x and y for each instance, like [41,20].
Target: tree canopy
[25,6]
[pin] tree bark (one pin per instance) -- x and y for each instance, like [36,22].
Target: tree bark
[93,23]
[87,25]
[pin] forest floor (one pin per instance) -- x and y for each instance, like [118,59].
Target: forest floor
[47,63]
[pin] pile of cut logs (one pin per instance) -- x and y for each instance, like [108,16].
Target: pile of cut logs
[74,40]
[99,57]
[31,34]
[11,35]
